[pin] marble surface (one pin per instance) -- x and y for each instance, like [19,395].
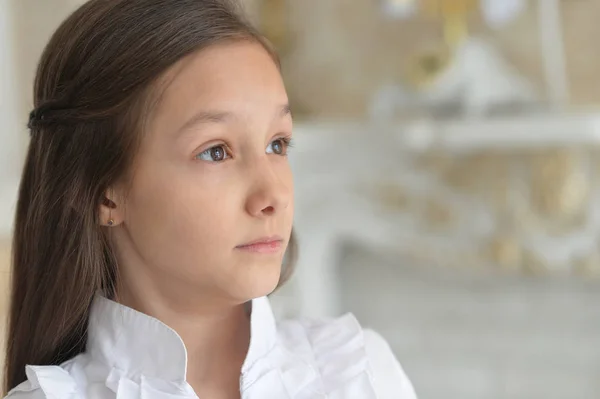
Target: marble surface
[478,334]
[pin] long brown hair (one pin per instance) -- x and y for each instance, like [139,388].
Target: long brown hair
[96,83]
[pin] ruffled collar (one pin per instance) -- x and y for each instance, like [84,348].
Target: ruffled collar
[140,345]
[137,356]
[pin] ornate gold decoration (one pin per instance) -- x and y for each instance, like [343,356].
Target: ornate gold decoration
[454,14]
[527,194]
[424,67]
[560,190]
[437,214]
[393,197]
[505,251]
[427,65]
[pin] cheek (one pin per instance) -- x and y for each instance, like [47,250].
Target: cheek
[182,214]
[286,218]
[288,178]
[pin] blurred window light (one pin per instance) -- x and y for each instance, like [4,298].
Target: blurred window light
[498,13]
[399,8]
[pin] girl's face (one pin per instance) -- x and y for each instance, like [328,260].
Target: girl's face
[211,178]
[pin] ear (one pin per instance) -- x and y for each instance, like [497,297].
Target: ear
[111,208]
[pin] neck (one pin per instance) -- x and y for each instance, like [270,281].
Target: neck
[216,336]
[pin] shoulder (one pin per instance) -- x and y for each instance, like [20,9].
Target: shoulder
[387,371]
[342,350]
[45,382]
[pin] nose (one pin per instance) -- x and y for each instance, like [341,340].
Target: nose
[270,191]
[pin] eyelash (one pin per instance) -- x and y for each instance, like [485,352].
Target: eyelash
[286,140]
[288,143]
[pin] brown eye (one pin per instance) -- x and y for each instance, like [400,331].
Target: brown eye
[217,153]
[278,147]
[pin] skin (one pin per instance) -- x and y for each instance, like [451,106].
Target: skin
[180,225]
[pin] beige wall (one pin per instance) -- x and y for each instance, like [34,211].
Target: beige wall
[338,54]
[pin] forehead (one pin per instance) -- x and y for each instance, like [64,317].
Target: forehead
[229,77]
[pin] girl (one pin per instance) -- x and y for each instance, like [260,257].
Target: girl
[154,214]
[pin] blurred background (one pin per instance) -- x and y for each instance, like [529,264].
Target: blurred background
[447,165]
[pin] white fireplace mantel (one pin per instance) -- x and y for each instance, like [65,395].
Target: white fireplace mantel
[25,26]
[536,130]
[331,160]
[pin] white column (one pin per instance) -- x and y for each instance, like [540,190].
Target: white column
[12,124]
[317,273]
[553,51]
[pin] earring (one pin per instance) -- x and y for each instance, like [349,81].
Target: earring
[111,221]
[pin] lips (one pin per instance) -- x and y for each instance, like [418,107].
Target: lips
[263,245]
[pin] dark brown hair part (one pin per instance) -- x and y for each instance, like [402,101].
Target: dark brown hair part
[95,85]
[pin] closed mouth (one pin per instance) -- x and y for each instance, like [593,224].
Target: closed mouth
[263,245]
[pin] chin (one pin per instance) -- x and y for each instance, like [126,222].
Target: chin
[256,281]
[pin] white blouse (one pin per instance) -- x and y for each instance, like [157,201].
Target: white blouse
[131,355]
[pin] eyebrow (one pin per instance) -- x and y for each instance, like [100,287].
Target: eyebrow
[223,116]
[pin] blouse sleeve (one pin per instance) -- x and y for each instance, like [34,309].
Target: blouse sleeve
[390,379]
[45,382]
[33,394]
